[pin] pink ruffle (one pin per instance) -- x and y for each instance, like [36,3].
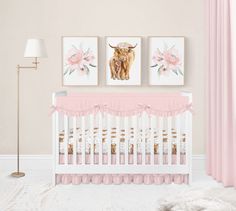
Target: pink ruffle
[107,179]
[86,178]
[97,179]
[127,179]
[148,179]
[122,113]
[168,179]
[118,179]
[158,179]
[76,179]
[122,104]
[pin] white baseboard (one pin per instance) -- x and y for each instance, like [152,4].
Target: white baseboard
[27,162]
[44,162]
[198,163]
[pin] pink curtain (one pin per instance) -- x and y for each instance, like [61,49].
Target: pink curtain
[221,141]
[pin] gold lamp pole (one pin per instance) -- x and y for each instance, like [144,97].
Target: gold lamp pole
[34,48]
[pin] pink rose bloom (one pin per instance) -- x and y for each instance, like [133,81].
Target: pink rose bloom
[171,58]
[74,58]
[167,61]
[79,60]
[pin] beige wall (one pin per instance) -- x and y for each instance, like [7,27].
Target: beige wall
[51,19]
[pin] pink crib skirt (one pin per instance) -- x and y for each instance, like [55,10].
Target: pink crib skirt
[77,179]
[118,179]
[122,159]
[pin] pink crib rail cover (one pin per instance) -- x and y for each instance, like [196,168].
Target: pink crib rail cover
[122,104]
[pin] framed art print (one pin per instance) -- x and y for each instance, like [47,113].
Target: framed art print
[80,61]
[123,61]
[166,61]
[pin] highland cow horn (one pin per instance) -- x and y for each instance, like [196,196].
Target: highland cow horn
[132,47]
[111,46]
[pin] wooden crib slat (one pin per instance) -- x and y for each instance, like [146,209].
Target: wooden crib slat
[178,139]
[74,140]
[100,126]
[152,120]
[109,138]
[169,143]
[92,139]
[160,147]
[83,139]
[126,119]
[117,140]
[143,121]
[135,119]
[66,136]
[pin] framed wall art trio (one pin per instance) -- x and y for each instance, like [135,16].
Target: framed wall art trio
[122,61]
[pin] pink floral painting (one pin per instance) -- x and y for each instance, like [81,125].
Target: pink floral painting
[167,62]
[80,61]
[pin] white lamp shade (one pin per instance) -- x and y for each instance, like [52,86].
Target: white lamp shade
[35,48]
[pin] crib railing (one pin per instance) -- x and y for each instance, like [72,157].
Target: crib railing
[151,144]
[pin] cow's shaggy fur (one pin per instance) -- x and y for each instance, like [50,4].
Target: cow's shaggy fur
[121,61]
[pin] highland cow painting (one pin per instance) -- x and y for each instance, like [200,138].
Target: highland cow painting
[80,61]
[166,61]
[123,61]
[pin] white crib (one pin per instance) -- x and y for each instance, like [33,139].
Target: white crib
[101,143]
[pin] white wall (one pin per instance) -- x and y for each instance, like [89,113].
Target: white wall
[51,19]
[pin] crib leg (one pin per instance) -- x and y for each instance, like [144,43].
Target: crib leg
[190,178]
[53,179]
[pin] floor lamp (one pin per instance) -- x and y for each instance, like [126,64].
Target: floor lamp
[35,48]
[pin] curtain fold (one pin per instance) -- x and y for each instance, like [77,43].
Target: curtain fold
[221,142]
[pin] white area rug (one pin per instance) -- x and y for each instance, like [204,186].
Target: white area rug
[34,193]
[213,199]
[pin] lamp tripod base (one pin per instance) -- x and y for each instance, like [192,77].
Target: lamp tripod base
[18,174]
